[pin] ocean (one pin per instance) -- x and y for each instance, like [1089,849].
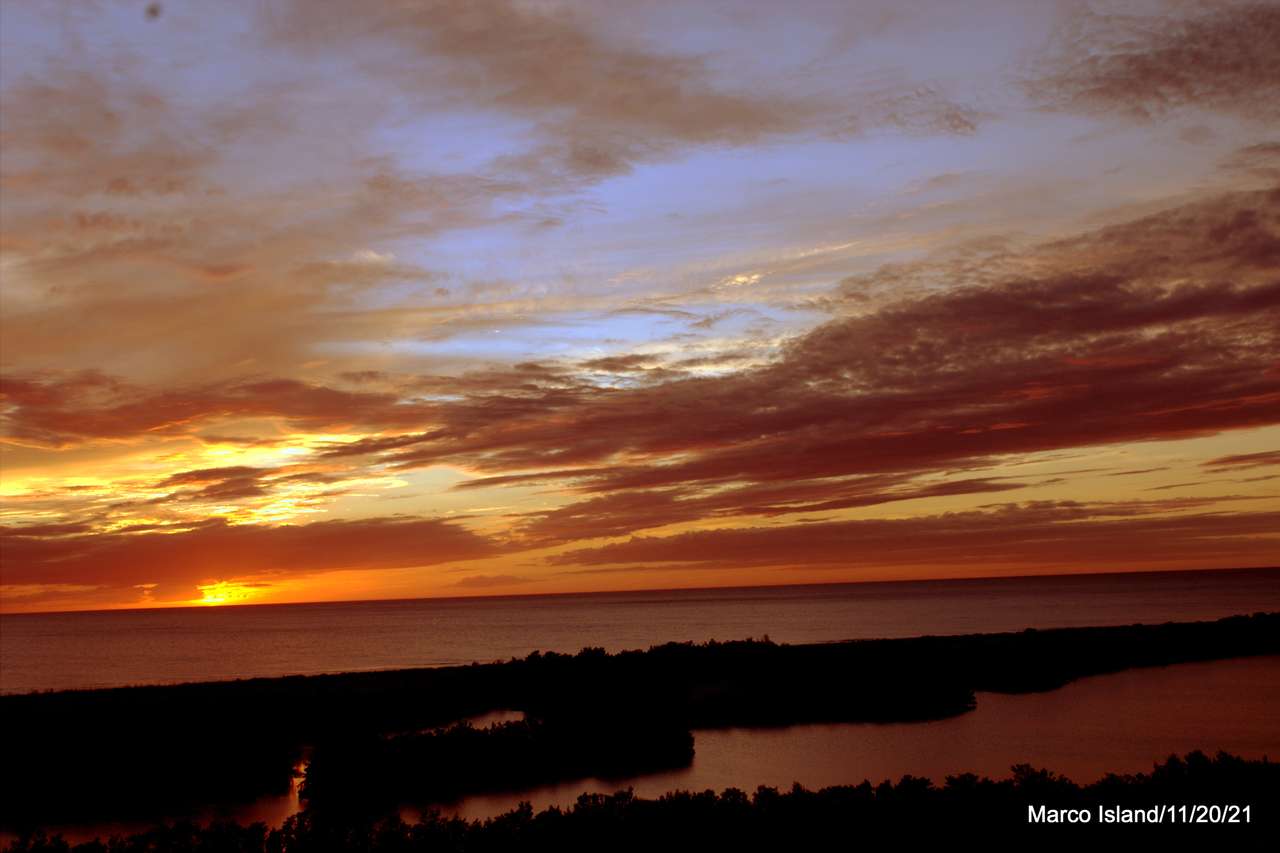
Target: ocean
[59,651]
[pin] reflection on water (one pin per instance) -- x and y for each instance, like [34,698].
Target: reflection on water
[1123,722]
[271,810]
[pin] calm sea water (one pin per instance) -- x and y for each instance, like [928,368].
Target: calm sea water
[103,649]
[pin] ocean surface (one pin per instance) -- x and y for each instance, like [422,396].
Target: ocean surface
[60,651]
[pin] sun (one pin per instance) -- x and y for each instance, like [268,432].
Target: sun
[223,592]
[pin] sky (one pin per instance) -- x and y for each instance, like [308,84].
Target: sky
[313,300]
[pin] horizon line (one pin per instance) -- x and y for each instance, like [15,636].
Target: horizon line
[869,582]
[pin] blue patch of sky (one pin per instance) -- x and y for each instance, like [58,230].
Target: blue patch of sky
[563,335]
[450,140]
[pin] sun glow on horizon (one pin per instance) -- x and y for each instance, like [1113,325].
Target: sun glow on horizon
[224,592]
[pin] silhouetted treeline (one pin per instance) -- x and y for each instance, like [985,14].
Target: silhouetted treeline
[436,766]
[966,807]
[141,751]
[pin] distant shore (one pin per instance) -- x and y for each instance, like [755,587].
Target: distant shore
[128,752]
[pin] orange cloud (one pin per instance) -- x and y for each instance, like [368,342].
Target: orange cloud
[180,560]
[227,305]
[1089,341]
[1049,536]
[54,410]
[1095,340]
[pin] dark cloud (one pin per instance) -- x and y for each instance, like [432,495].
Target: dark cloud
[55,410]
[210,475]
[623,512]
[1161,328]
[1261,160]
[45,531]
[1146,66]
[233,489]
[1264,459]
[237,483]
[599,102]
[620,363]
[240,269]
[126,204]
[1046,534]
[598,105]
[215,550]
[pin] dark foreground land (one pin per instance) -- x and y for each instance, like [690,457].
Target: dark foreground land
[964,808]
[378,740]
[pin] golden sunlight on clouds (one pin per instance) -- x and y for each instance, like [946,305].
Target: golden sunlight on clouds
[568,300]
[222,592]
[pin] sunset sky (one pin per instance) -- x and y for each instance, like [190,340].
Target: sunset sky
[321,300]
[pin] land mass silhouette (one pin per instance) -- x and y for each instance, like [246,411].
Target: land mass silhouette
[377,739]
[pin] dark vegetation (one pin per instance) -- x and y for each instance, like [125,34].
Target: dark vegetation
[146,751]
[838,818]
[364,774]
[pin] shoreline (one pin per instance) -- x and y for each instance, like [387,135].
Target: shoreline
[175,647]
[390,671]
